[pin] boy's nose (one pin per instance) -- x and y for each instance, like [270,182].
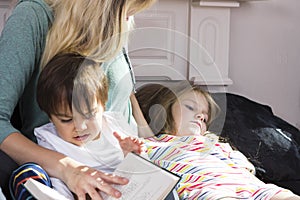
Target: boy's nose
[79,125]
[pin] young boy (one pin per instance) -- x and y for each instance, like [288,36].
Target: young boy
[209,169]
[73,91]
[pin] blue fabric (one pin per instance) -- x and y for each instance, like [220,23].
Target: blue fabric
[21,175]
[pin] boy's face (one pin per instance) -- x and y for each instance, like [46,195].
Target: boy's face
[78,129]
[190,114]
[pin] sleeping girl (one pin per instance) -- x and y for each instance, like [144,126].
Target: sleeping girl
[209,169]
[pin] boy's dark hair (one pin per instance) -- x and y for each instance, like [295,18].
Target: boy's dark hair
[71,79]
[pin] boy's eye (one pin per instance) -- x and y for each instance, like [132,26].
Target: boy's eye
[90,115]
[66,120]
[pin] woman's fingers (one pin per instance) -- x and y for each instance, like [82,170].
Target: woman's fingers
[103,183]
[113,179]
[82,196]
[86,180]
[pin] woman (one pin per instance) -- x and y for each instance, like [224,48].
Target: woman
[95,28]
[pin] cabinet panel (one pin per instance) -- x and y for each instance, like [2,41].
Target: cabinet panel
[158,45]
[209,45]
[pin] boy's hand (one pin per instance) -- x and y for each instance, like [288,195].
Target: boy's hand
[130,144]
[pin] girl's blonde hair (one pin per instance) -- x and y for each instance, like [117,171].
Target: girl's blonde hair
[94,28]
[161,98]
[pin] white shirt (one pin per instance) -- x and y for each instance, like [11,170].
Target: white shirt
[103,154]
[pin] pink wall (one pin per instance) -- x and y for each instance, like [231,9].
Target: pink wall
[265,55]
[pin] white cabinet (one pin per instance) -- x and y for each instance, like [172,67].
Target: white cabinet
[209,42]
[157,46]
[183,40]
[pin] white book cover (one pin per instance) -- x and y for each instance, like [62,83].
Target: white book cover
[41,191]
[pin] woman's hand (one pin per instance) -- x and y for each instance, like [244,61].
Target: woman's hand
[80,179]
[83,180]
[130,144]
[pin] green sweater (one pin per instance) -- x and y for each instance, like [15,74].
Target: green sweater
[21,46]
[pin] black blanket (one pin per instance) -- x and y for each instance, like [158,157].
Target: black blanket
[270,143]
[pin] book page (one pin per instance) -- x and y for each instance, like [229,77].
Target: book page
[146,180]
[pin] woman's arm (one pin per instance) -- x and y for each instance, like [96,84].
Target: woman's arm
[21,43]
[79,178]
[143,128]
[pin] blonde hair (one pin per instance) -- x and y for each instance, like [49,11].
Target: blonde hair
[162,98]
[94,28]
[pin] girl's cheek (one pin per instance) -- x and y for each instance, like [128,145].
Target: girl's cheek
[204,128]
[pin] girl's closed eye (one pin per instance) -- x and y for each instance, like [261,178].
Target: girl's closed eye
[189,107]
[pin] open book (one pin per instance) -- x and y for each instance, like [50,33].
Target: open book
[147,181]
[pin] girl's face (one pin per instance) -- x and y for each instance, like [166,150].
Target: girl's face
[190,114]
[79,129]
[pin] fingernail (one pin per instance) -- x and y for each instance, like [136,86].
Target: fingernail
[125,180]
[117,194]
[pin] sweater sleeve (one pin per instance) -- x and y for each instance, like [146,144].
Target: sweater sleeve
[21,46]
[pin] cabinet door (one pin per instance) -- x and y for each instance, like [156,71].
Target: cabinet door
[209,44]
[158,45]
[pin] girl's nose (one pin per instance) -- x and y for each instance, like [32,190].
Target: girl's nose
[200,116]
